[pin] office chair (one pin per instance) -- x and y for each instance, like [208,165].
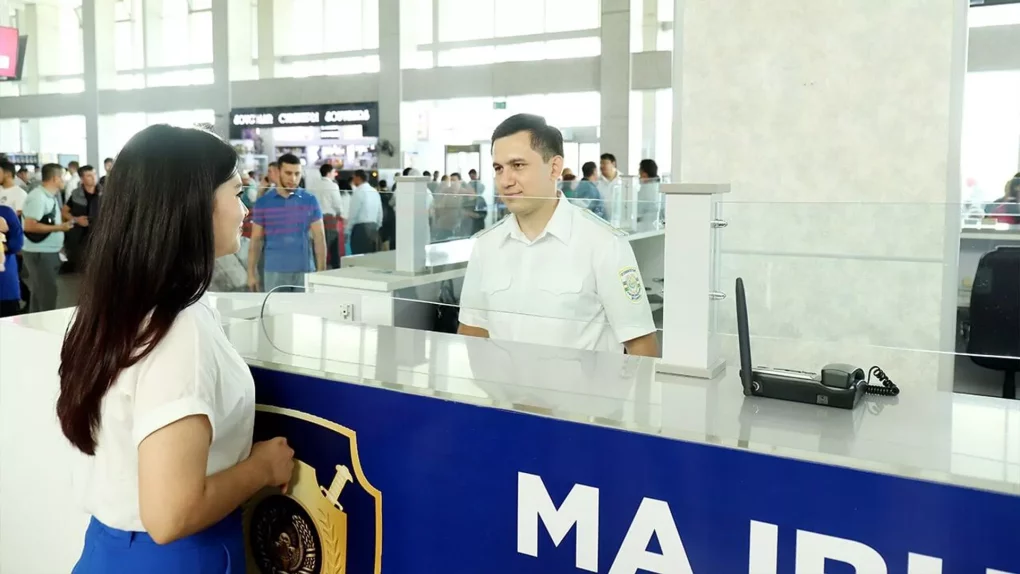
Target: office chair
[995,315]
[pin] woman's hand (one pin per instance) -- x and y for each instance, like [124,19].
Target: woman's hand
[275,459]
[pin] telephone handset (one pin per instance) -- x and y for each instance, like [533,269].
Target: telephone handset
[838,385]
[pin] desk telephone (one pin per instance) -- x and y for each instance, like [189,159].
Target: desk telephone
[838,385]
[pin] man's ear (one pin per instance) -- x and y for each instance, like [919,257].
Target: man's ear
[557,167]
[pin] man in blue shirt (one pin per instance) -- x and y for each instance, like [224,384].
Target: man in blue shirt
[10,287]
[587,194]
[285,218]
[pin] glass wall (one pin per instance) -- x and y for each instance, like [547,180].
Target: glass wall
[115,130]
[991,134]
[311,37]
[476,32]
[49,137]
[429,126]
[59,49]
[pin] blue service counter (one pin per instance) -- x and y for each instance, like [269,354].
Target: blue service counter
[422,452]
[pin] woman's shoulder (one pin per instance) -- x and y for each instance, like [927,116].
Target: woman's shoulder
[189,334]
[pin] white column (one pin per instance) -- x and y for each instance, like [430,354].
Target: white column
[266,39]
[390,84]
[5,13]
[614,132]
[90,32]
[412,222]
[813,165]
[691,295]
[221,66]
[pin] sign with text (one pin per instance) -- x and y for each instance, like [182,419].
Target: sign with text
[469,489]
[364,114]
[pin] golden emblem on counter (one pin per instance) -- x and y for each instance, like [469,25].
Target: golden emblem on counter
[305,530]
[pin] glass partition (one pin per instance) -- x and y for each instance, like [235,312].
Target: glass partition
[889,284]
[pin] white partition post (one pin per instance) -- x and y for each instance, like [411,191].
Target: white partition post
[690,345]
[412,222]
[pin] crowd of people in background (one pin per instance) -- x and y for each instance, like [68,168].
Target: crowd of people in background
[297,222]
[45,225]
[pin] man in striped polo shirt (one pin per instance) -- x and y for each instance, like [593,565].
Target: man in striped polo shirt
[285,218]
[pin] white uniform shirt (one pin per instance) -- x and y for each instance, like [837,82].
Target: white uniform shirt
[612,192]
[13,197]
[576,285]
[328,193]
[194,370]
[366,206]
[73,181]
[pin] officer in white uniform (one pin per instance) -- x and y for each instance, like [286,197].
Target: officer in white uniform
[551,273]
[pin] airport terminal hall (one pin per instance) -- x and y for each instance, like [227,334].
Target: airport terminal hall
[509,286]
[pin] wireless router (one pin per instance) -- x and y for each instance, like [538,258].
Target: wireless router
[839,385]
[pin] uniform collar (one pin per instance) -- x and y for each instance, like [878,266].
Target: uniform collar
[559,226]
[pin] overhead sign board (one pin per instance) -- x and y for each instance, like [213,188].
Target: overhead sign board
[366,114]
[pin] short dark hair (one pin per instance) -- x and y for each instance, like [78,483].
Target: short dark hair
[650,168]
[360,174]
[426,174]
[472,171]
[251,173]
[22,169]
[159,247]
[569,177]
[455,175]
[73,164]
[289,159]
[51,170]
[85,169]
[7,166]
[407,170]
[107,160]
[545,139]
[608,156]
[588,169]
[325,169]
[272,164]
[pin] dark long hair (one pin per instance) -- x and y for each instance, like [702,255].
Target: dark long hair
[149,257]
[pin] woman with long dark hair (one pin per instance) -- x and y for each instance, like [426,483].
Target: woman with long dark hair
[150,387]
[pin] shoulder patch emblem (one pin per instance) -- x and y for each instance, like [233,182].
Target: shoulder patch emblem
[603,223]
[631,280]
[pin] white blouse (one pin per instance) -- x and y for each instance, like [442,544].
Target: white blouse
[194,370]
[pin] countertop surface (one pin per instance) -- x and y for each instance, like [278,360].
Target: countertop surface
[922,434]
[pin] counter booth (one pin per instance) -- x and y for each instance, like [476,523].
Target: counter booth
[423,451]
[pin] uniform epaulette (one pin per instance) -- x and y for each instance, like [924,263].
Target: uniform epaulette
[602,222]
[488,229]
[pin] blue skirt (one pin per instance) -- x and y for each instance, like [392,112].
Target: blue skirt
[217,550]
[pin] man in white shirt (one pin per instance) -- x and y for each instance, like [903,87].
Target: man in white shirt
[610,184]
[73,181]
[551,273]
[326,190]
[11,194]
[366,215]
[23,180]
